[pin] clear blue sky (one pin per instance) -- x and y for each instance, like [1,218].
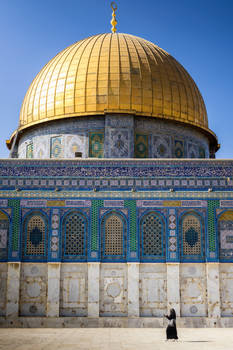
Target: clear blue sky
[198,33]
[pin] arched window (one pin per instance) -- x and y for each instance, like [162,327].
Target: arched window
[152,229]
[74,230]
[4,229]
[225,228]
[35,235]
[114,230]
[192,236]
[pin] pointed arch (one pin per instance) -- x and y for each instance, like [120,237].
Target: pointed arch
[225,232]
[35,233]
[113,236]
[152,236]
[74,236]
[192,238]
[4,233]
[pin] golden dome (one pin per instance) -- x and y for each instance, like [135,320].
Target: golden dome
[113,73]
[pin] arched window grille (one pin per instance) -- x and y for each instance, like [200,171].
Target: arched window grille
[35,235]
[4,230]
[74,230]
[114,230]
[152,229]
[192,236]
[225,229]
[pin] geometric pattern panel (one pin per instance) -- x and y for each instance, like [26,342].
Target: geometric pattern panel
[29,150]
[225,228]
[113,236]
[179,149]
[161,147]
[74,232]
[152,231]
[120,143]
[34,233]
[56,150]
[96,144]
[141,146]
[191,232]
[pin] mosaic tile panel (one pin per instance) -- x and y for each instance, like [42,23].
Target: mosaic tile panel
[172,233]
[54,237]
[141,149]
[212,205]
[96,144]
[119,143]
[56,150]
[15,204]
[131,205]
[29,150]
[161,147]
[179,149]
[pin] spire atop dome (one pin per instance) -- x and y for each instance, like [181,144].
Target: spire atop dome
[113,21]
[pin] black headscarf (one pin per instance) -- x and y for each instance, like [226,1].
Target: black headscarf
[172,314]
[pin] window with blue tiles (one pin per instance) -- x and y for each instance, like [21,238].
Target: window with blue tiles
[225,230]
[74,233]
[4,229]
[192,236]
[35,226]
[152,236]
[114,233]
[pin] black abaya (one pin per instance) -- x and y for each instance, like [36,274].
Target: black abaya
[171,330]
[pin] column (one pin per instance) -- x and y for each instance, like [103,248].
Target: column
[173,287]
[133,289]
[213,290]
[53,289]
[13,285]
[93,289]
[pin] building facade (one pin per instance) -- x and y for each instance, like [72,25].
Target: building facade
[112,208]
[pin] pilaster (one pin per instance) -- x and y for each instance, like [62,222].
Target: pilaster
[13,285]
[213,290]
[93,289]
[133,289]
[53,289]
[173,287]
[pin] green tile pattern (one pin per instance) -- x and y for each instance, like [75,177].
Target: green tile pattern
[131,205]
[96,204]
[212,205]
[15,204]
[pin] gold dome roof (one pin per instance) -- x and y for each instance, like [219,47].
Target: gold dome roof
[113,73]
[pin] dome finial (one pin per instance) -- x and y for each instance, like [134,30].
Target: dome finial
[113,21]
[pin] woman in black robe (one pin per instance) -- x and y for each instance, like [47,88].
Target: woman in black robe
[171,330]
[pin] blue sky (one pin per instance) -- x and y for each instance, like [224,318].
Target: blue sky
[198,33]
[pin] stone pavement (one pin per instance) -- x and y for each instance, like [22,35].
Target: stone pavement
[114,339]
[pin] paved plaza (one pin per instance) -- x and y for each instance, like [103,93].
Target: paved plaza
[114,339]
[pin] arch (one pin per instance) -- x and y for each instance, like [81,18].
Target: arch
[225,233]
[74,235]
[114,233]
[192,240]
[4,233]
[152,236]
[35,228]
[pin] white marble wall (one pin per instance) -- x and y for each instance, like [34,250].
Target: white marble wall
[193,298]
[153,290]
[226,289]
[73,289]
[33,289]
[124,290]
